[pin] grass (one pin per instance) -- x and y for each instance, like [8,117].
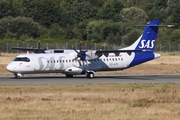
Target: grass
[90,101]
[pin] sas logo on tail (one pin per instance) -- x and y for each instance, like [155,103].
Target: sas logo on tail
[147,44]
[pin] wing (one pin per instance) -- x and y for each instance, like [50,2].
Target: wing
[39,50]
[35,50]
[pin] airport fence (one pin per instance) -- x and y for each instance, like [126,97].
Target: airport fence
[5,47]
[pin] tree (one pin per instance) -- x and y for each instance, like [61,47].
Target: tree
[99,31]
[110,10]
[97,3]
[113,29]
[133,14]
[29,8]
[175,17]
[172,5]
[56,31]
[46,12]
[175,36]
[9,8]
[95,30]
[20,26]
[83,11]
[131,37]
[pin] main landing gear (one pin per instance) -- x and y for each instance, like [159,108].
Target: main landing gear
[69,76]
[90,74]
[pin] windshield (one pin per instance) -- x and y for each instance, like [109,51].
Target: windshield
[23,59]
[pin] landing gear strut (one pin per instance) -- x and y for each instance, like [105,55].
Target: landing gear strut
[69,76]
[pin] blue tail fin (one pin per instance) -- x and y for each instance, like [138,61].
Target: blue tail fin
[147,40]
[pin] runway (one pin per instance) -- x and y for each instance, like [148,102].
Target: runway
[99,79]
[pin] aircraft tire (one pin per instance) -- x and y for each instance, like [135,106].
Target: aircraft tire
[90,75]
[17,77]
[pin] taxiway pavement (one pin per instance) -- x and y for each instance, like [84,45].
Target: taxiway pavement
[99,79]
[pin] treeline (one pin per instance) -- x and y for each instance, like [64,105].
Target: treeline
[110,21]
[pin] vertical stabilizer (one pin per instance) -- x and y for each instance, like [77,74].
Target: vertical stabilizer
[147,43]
[147,40]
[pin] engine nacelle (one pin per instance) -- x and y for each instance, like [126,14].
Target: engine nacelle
[91,55]
[74,70]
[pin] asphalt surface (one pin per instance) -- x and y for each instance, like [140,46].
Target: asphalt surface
[99,79]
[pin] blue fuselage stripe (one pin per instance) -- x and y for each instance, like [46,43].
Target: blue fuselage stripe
[141,58]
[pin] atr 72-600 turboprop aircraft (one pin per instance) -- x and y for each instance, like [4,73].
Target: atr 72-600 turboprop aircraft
[78,62]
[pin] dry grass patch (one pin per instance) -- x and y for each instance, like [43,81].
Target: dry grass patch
[90,101]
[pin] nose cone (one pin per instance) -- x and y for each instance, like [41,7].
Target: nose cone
[10,68]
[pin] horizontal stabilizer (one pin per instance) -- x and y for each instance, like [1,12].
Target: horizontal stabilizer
[169,26]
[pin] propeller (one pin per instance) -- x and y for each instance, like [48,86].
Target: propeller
[81,55]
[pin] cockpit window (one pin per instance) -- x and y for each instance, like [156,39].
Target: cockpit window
[22,59]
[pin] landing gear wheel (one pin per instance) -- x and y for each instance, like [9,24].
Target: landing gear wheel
[69,76]
[18,75]
[90,75]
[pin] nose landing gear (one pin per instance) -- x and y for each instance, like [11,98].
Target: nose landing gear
[18,75]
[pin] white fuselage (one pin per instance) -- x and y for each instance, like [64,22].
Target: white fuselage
[65,63]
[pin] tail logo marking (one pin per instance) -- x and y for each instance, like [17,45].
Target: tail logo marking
[149,44]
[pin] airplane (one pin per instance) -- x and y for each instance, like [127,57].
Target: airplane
[88,62]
